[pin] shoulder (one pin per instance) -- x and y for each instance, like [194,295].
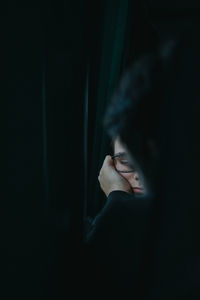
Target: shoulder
[122,203]
[122,212]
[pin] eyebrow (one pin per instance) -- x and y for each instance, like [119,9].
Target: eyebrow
[118,154]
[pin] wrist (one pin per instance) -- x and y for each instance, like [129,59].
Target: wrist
[119,188]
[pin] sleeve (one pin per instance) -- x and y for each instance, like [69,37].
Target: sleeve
[117,200]
[115,241]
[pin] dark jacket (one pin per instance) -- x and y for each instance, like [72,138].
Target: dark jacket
[118,244]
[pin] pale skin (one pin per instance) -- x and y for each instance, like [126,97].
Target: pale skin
[112,180]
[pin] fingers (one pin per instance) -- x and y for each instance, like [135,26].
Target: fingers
[110,179]
[107,163]
[108,160]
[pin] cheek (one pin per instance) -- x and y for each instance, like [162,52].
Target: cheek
[129,178]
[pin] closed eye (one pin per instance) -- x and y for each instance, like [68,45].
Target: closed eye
[124,162]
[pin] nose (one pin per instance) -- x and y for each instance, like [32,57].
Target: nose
[136,176]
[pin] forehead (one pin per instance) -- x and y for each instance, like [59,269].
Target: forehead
[119,146]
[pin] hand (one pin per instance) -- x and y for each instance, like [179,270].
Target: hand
[110,180]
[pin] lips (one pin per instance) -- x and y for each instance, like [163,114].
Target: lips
[138,190]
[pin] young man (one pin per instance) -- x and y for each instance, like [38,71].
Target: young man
[120,239]
[128,177]
[132,119]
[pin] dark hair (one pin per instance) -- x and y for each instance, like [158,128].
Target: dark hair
[134,111]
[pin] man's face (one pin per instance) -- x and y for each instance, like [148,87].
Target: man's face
[126,167]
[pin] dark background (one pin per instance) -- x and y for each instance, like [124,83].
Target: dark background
[49,49]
